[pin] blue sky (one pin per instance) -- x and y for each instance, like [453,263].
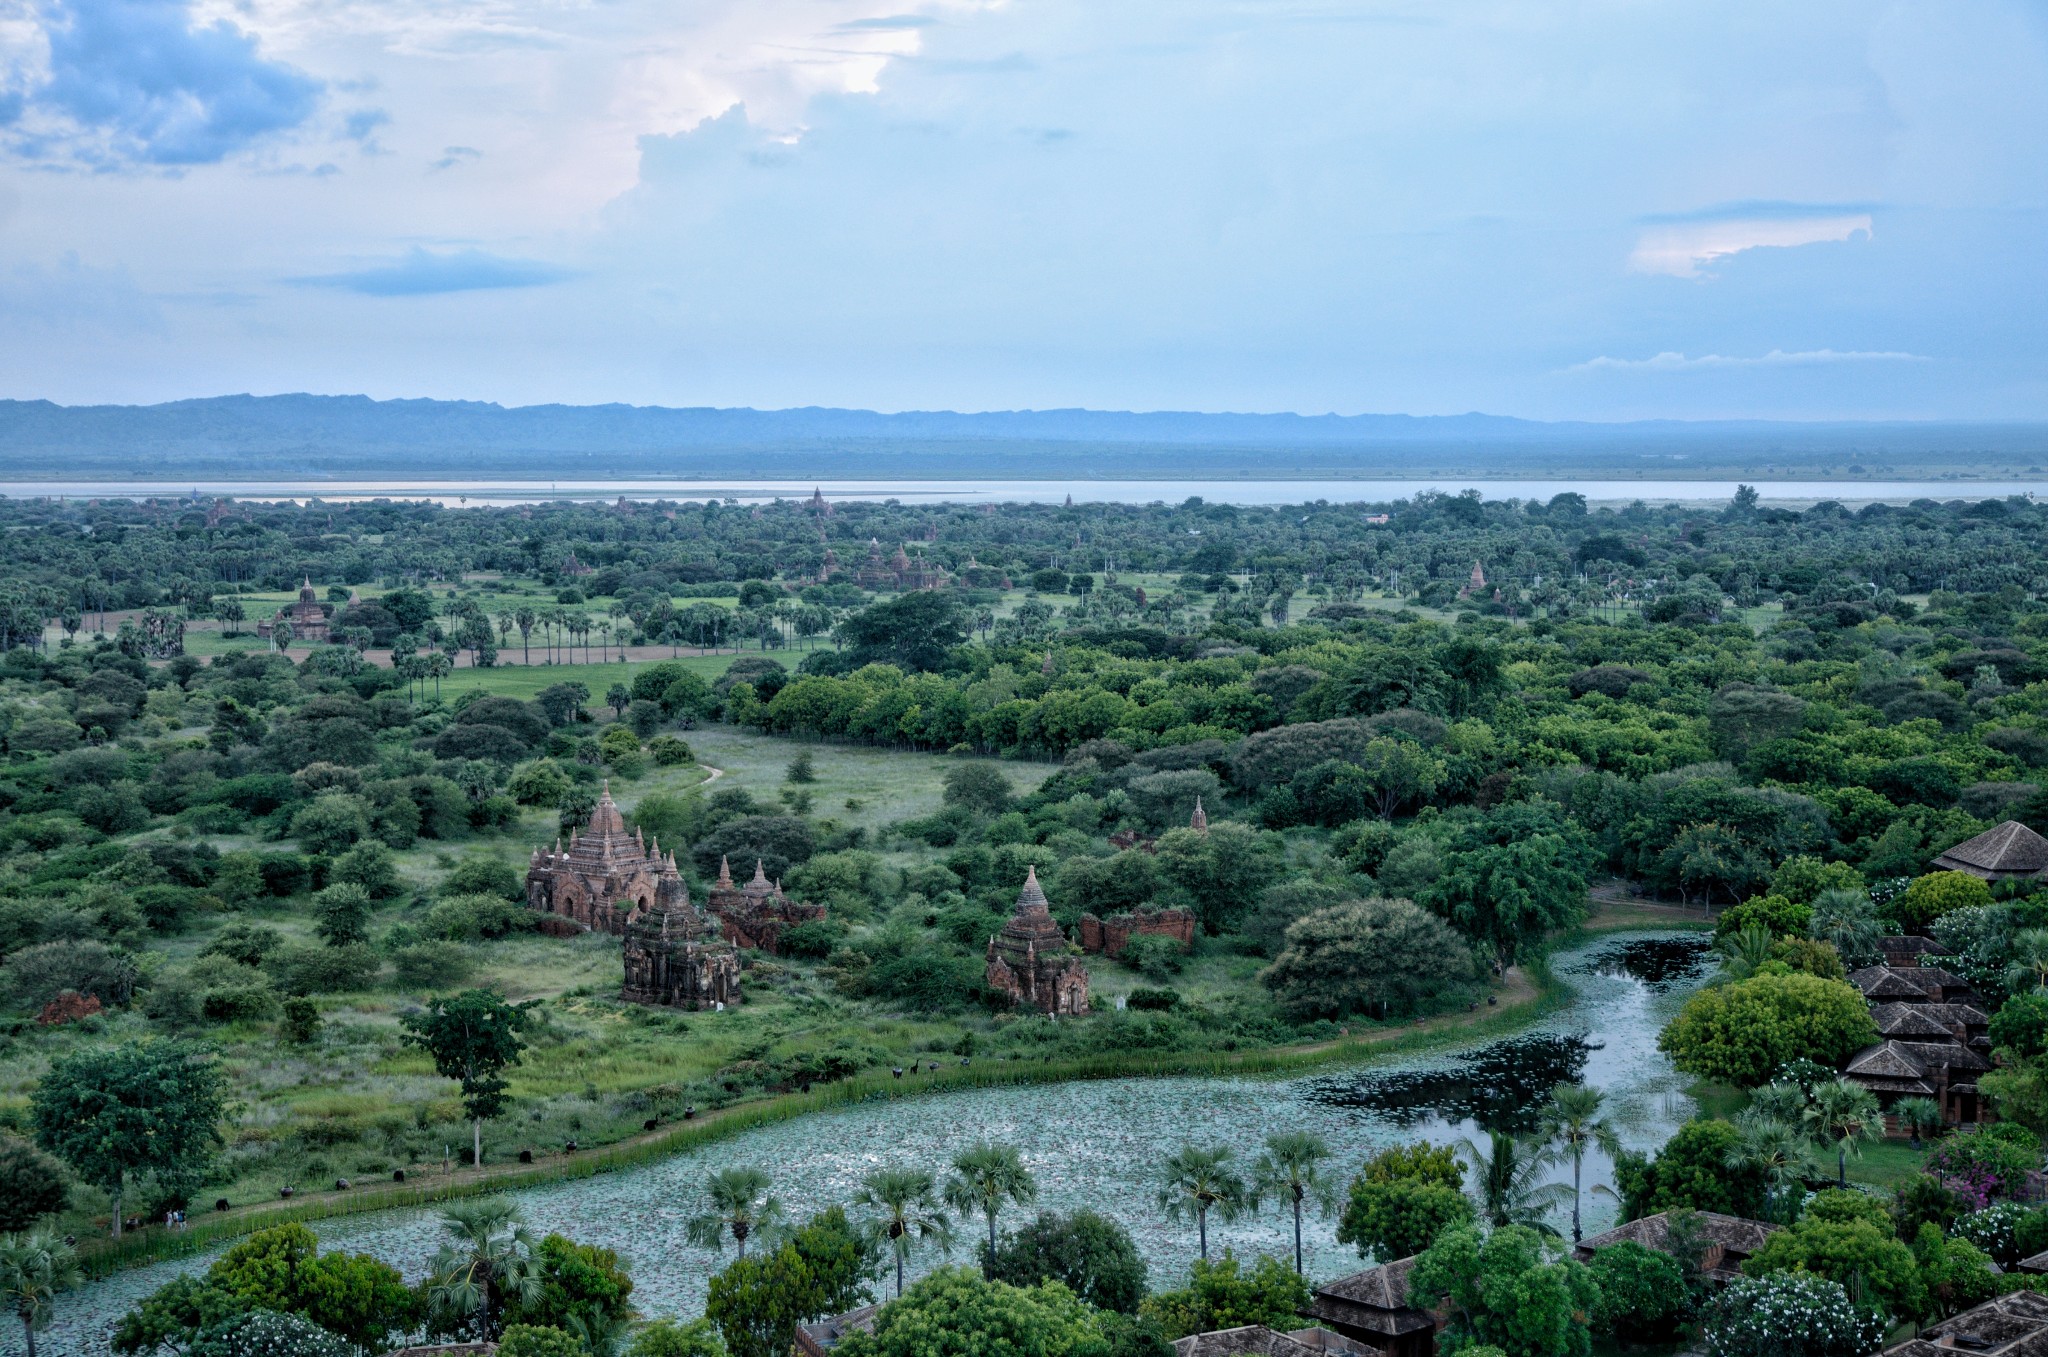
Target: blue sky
[1560,210]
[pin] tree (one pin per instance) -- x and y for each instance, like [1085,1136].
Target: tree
[1856,1253]
[1929,897]
[473,1038]
[758,1302]
[1510,896]
[618,697]
[1512,1289]
[737,1202]
[1643,1293]
[1223,870]
[669,1338]
[485,1269]
[908,1212]
[583,1287]
[1572,1121]
[1220,1295]
[1692,1172]
[343,914]
[1196,1180]
[34,1269]
[1845,1114]
[532,1340]
[1777,1152]
[840,1260]
[1399,773]
[1507,1180]
[954,1313]
[914,631]
[1375,956]
[1093,1256]
[279,1270]
[1956,1273]
[1403,1199]
[31,1185]
[1743,1033]
[117,1112]
[979,787]
[1790,1315]
[986,1178]
[1291,1169]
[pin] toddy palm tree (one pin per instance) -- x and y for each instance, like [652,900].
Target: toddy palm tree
[34,1267]
[1774,1148]
[2028,972]
[1572,1122]
[1292,1170]
[486,1264]
[909,1212]
[1198,1181]
[1507,1181]
[987,1178]
[1846,1114]
[736,1202]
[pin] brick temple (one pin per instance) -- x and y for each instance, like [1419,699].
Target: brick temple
[1032,962]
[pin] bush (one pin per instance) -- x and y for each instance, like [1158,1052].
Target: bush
[1936,894]
[531,1340]
[482,876]
[540,783]
[1643,1296]
[979,787]
[670,751]
[1790,1315]
[265,1333]
[31,1184]
[1775,912]
[1152,955]
[1152,1000]
[333,823]
[1220,1295]
[430,965]
[1742,1033]
[813,940]
[1378,956]
[36,975]
[323,970]
[1093,1256]
[467,918]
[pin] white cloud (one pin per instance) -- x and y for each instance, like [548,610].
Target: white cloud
[1678,362]
[1680,249]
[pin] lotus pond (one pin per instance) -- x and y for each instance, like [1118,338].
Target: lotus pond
[1094,1144]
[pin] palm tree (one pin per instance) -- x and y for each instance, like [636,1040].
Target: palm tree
[1774,1148]
[910,1211]
[486,1264]
[736,1202]
[1741,952]
[1572,1122]
[1919,1114]
[1200,1180]
[1846,1114]
[524,617]
[987,1178]
[1507,1181]
[2028,971]
[34,1267]
[1292,1170]
[1844,919]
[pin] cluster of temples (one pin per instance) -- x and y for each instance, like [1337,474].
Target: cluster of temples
[612,881]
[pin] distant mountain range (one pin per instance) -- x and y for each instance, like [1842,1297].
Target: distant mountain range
[350,436]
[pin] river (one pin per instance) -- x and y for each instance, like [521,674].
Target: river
[1244,490]
[1093,1144]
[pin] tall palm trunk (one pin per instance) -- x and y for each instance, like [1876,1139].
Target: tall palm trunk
[1578,1161]
[1202,1227]
[28,1330]
[477,1143]
[1297,1231]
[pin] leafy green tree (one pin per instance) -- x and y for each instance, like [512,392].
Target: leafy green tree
[114,1113]
[1691,1172]
[1936,894]
[1643,1293]
[1398,773]
[1402,1200]
[913,630]
[840,1260]
[31,1185]
[1379,956]
[671,1338]
[34,1269]
[2020,1026]
[1511,896]
[1955,1273]
[472,1037]
[342,912]
[1291,1171]
[1195,1180]
[531,1340]
[758,1302]
[1742,1033]
[1572,1121]
[907,1212]
[1790,1314]
[953,1313]
[979,787]
[1223,870]
[1858,1254]
[485,1269]
[1220,1295]
[1513,1289]
[736,1202]
[986,1178]
[580,1284]
[1092,1255]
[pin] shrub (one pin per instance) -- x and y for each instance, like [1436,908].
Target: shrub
[540,783]
[670,751]
[1093,1256]
[31,1184]
[369,865]
[1790,1315]
[323,970]
[265,1333]
[1936,894]
[1995,1229]
[813,940]
[1643,1296]
[531,1340]
[1152,1000]
[1221,1295]
[430,965]
[1775,912]
[482,876]
[1742,1033]
[978,786]
[36,975]
[1152,955]
[466,918]
[1379,956]
[332,824]
[1854,1253]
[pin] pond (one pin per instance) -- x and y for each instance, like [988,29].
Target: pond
[1095,1144]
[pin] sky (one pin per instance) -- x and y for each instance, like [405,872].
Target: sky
[1560,209]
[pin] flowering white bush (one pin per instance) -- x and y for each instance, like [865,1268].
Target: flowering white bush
[265,1333]
[1995,1229]
[1789,1314]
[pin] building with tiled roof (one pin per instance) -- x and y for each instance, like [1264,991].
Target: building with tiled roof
[2014,1325]
[1372,1307]
[1256,1340]
[1729,1239]
[2006,852]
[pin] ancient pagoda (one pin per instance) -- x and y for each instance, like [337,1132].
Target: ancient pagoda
[1031,961]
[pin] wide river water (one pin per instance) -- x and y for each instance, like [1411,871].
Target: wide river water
[1094,1144]
[1241,490]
